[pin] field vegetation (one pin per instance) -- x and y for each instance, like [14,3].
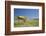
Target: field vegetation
[27,23]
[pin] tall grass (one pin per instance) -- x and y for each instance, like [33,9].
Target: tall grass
[30,23]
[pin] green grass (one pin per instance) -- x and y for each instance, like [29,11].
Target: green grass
[30,23]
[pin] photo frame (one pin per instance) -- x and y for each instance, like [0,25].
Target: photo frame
[16,10]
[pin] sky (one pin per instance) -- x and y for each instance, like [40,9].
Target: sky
[30,13]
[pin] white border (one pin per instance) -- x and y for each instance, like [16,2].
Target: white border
[25,28]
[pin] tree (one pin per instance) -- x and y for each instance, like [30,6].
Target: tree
[21,18]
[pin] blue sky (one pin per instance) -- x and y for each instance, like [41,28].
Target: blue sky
[30,13]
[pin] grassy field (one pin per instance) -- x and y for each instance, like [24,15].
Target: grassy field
[30,23]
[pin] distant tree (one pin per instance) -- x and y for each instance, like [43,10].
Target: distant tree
[21,18]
